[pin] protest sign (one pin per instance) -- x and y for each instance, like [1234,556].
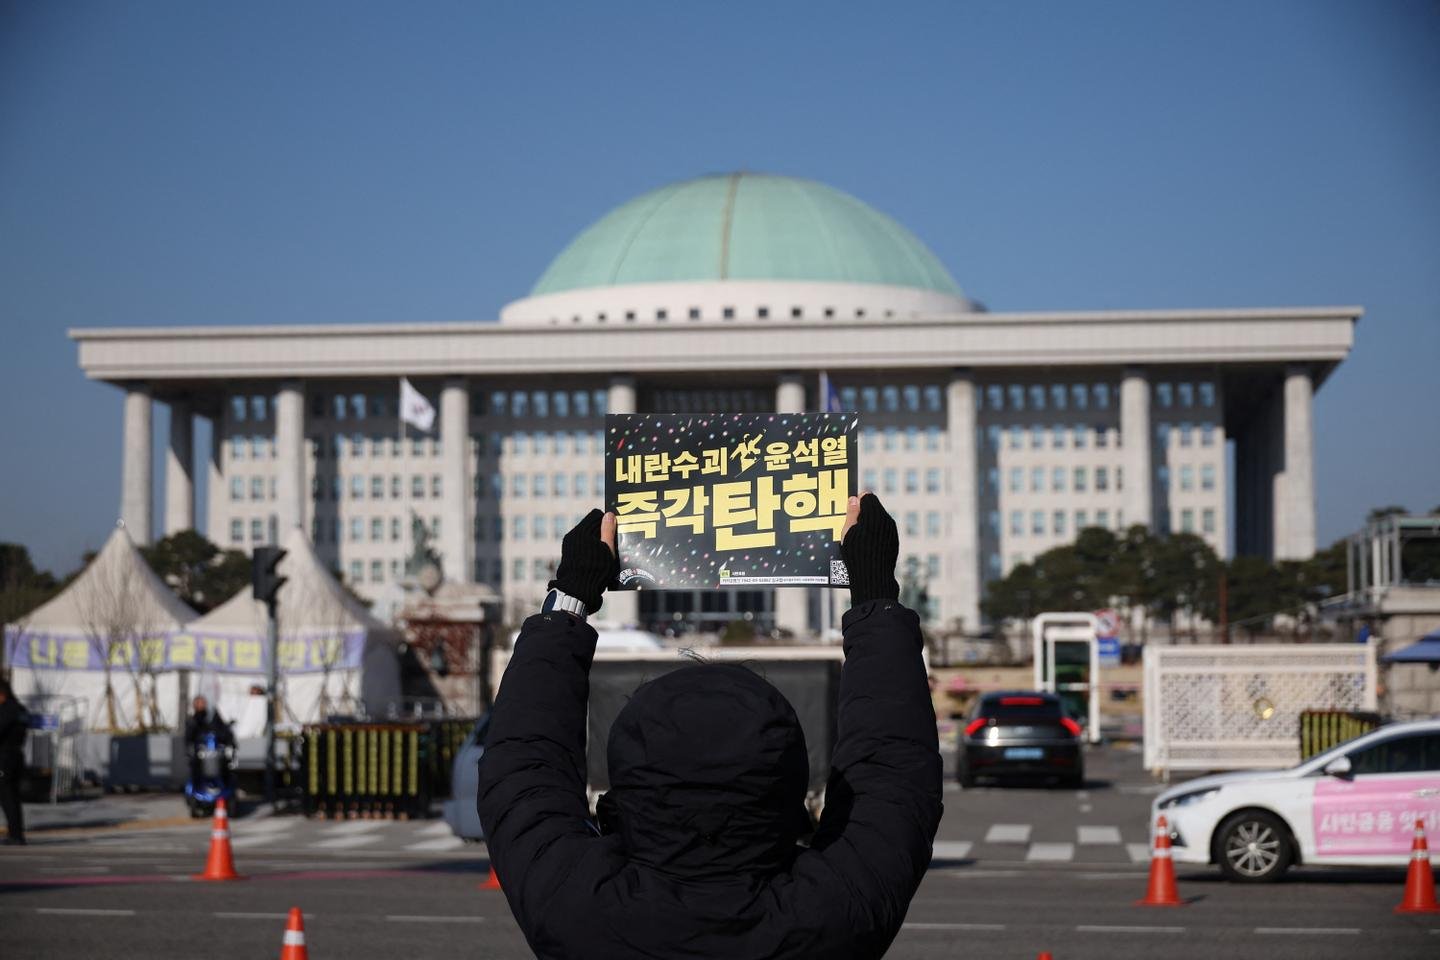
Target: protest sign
[710,501]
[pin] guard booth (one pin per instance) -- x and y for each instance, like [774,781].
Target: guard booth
[1067,663]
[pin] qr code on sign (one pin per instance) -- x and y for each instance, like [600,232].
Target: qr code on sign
[839,576]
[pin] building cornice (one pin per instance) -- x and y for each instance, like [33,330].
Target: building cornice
[1319,335]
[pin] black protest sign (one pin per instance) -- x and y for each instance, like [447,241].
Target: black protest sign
[708,501]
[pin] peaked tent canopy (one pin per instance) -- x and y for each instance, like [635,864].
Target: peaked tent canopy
[1425,650]
[333,655]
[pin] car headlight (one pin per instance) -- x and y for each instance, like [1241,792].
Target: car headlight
[1185,799]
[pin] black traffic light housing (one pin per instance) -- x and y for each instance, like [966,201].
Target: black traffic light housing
[263,579]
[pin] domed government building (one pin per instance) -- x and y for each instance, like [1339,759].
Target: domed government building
[990,436]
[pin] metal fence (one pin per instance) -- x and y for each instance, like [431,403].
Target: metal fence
[379,770]
[1322,729]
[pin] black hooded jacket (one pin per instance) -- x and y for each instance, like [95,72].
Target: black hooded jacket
[698,858]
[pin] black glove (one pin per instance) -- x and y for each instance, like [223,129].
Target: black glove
[587,566]
[870,551]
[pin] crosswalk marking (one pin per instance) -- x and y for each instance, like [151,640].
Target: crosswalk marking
[1089,835]
[347,827]
[952,849]
[1051,852]
[342,843]
[1008,833]
[437,829]
[439,843]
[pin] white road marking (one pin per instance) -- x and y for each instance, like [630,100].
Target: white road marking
[437,829]
[1008,833]
[262,826]
[1089,835]
[1051,852]
[1087,808]
[952,849]
[1139,852]
[74,869]
[1100,928]
[341,843]
[408,918]
[242,915]
[1112,875]
[953,926]
[1308,930]
[439,843]
[967,873]
[347,827]
[1082,795]
[84,912]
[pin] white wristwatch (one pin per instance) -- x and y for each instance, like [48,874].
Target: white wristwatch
[559,600]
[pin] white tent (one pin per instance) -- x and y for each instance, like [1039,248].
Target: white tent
[333,655]
[119,613]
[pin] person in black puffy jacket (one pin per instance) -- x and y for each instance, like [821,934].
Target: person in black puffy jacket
[696,853]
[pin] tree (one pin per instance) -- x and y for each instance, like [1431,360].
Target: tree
[1380,513]
[197,570]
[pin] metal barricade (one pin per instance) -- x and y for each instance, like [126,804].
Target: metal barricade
[366,770]
[56,723]
[1322,729]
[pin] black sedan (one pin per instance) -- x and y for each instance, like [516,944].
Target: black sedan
[1020,734]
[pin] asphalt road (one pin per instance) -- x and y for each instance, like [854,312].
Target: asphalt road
[1017,871]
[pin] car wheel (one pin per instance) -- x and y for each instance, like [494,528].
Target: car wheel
[966,778]
[1253,847]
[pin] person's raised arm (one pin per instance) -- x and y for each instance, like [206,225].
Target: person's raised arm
[882,804]
[532,774]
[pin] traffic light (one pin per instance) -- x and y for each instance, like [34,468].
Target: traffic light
[263,578]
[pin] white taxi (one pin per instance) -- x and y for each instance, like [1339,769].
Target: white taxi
[1353,805]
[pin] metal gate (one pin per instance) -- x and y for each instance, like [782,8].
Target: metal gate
[55,727]
[1231,708]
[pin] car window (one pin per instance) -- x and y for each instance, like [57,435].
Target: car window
[1006,708]
[1417,753]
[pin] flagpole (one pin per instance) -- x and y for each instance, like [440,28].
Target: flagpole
[404,482]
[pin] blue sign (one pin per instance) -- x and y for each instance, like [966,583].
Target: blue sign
[1108,650]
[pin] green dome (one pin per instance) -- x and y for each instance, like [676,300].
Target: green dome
[745,226]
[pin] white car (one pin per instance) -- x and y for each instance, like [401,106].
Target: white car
[1353,805]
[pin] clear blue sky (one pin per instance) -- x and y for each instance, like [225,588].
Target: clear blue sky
[220,163]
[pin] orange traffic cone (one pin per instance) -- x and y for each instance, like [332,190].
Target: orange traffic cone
[1162,891]
[1419,880]
[220,865]
[1045,955]
[492,882]
[293,946]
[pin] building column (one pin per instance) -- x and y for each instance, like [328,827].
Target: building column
[965,554]
[792,604]
[180,470]
[457,535]
[136,480]
[1295,500]
[290,458]
[1137,499]
[621,606]
[216,493]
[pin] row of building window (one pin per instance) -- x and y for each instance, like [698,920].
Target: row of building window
[539,442]
[1057,522]
[662,314]
[884,481]
[1080,437]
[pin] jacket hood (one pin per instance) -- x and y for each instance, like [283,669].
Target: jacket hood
[708,773]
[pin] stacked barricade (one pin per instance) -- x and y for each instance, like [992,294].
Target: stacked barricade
[1322,729]
[379,770]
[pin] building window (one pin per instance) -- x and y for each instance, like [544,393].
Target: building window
[992,479]
[1017,397]
[258,409]
[889,481]
[1037,522]
[912,524]
[1057,396]
[394,529]
[377,529]
[911,394]
[992,521]
[1187,477]
[1102,437]
[237,448]
[1102,478]
[1207,393]
[1102,519]
[257,488]
[912,481]
[357,571]
[517,528]
[1079,479]
[1162,435]
[1187,521]
[1163,395]
[435,485]
[1037,438]
[932,480]
[1162,476]
[890,434]
[1057,523]
[1187,433]
[1207,476]
[1017,437]
[237,531]
[1079,437]
[728,313]
[1185,394]
[1057,437]
[1207,434]
[932,523]
[1057,479]
[1082,520]
[1207,520]
[377,487]
[1017,479]
[912,438]
[357,529]
[1017,522]
[890,398]
[1102,396]
[237,488]
[1079,395]
[934,402]
[377,571]
[537,527]
[995,397]
[1037,479]
[357,487]
[932,438]
[1037,397]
